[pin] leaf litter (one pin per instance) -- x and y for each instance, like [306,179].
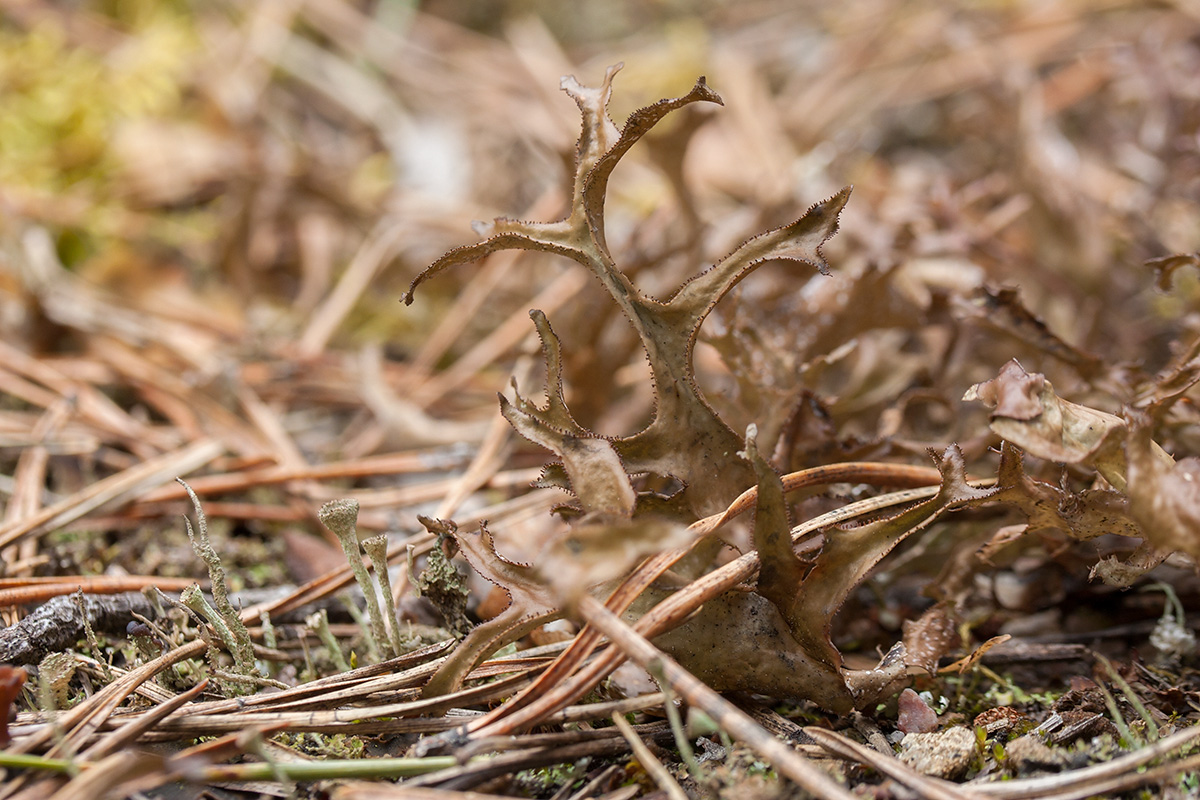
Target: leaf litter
[810,378]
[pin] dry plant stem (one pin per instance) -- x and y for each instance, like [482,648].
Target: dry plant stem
[120,487]
[340,688]
[732,719]
[389,464]
[126,736]
[26,591]
[375,791]
[481,770]
[108,774]
[869,472]
[343,720]
[652,765]
[377,768]
[1127,782]
[377,547]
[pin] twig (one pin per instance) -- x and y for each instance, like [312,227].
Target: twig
[652,765]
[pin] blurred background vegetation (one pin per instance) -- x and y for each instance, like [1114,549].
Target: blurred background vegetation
[228,189]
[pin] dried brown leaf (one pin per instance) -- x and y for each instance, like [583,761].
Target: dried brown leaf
[1163,497]
[1014,394]
[971,659]
[1038,421]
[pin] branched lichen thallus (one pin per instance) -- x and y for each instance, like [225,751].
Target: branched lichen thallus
[788,653]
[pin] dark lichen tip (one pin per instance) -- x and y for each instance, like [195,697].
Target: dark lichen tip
[832,206]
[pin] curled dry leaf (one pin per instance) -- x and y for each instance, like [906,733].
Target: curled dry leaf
[1163,497]
[1162,508]
[1081,515]
[1028,413]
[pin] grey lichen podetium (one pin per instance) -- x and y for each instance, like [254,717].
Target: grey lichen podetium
[194,599]
[376,548]
[239,641]
[341,517]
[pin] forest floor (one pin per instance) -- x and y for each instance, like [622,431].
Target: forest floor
[966,389]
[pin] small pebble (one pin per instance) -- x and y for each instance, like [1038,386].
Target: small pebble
[915,715]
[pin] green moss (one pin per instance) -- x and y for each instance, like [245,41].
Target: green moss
[338,745]
[544,781]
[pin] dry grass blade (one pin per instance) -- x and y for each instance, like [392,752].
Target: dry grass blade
[26,591]
[654,767]
[1087,781]
[84,719]
[373,791]
[127,735]
[110,775]
[121,487]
